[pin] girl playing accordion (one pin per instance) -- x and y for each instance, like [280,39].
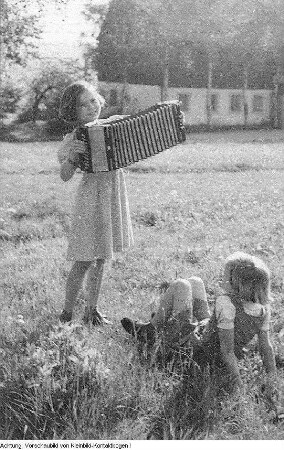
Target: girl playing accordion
[101,223]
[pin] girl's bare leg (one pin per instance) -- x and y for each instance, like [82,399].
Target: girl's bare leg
[74,283]
[176,299]
[93,284]
[200,304]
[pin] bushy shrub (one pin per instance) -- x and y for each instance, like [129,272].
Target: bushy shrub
[57,128]
[26,115]
[9,98]
[5,132]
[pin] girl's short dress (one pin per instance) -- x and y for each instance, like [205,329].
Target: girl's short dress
[101,223]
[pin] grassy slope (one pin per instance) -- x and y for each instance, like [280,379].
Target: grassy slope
[191,206]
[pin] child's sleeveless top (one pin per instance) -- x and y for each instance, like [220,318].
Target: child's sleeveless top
[245,328]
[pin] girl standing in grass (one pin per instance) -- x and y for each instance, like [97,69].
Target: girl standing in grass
[101,223]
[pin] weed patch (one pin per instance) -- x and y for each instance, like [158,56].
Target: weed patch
[38,211]
[191,206]
[44,387]
[37,221]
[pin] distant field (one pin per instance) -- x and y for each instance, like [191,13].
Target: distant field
[191,207]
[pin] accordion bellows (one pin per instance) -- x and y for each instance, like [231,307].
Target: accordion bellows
[118,143]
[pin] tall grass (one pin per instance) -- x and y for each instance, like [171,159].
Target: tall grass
[191,206]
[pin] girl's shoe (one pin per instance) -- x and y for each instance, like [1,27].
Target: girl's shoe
[65,316]
[143,332]
[132,327]
[95,317]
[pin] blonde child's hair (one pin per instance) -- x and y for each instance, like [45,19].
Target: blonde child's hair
[248,277]
[164,286]
[69,100]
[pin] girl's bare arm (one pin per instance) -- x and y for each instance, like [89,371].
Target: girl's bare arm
[69,165]
[266,352]
[226,338]
[67,170]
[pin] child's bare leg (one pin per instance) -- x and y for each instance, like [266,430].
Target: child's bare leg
[176,299]
[93,288]
[74,283]
[200,305]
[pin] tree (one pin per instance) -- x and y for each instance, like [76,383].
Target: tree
[179,25]
[18,33]
[120,53]
[10,96]
[19,30]
[213,43]
[131,44]
[120,36]
[46,88]
[148,40]
[251,45]
[170,25]
[274,36]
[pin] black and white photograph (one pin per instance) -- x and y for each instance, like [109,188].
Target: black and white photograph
[141,223]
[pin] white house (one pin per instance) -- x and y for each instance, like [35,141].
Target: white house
[219,107]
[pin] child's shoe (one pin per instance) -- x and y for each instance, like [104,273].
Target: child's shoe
[143,332]
[95,317]
[65,316]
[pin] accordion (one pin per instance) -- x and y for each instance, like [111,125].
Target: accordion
[113,144]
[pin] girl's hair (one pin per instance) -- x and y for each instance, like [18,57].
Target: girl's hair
[248,277]
[164,286]
[69,100]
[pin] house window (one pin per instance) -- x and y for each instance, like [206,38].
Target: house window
[236,102]
[257,103]
[113,100]
[184,99]
[214,102]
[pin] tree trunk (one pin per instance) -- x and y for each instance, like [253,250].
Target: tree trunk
[245,103]
[124,87]
[208,96]
[123,97]
[35,109]
[275,116]
[37,101]
[165,81]
[86,68]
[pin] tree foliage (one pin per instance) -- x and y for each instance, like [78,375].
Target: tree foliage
[142,39]
[19,29]
[45,90]
[9,96]
[121,40]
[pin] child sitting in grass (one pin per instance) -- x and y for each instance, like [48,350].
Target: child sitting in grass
[171,327]
[240,314]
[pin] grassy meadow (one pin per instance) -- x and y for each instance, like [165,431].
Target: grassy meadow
[191,207]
